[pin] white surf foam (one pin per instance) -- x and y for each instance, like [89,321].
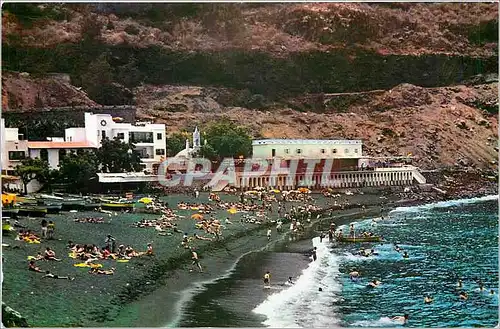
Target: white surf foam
[303,305]
[445,204]
[382,322]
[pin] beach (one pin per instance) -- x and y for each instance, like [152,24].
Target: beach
[154,291]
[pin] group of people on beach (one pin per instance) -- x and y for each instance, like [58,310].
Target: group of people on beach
[95,220]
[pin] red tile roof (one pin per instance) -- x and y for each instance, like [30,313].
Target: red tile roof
[59,145]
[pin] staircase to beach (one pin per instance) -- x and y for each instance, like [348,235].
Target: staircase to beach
[418,176]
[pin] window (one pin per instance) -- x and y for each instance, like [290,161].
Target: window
[273,152]
[140,137]
[355,150]
[160,151]
[298,151]
[16,155]
[322,150]
[334,151]
[120,135]
[346,151]
[103,134]
[159,136]
[287,151]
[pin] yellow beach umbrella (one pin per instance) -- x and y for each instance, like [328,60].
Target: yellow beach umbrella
[232,211]
[145,200]
[197,216]
[275,191]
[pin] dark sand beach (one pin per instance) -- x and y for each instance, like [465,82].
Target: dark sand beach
[148,291]
[131,296]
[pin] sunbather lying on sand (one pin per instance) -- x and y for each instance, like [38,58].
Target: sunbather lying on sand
[105,272]
[53,276]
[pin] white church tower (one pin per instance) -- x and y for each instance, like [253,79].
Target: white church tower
[196,139]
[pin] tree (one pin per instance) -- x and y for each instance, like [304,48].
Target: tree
[78,169]
[207,151]
[228,139]
[31,169]
[116,156]
[175,143]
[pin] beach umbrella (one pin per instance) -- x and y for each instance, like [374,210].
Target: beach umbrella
[146,200]
[303,190]
[251,192]
[232,211]
[197,216]
[275,191]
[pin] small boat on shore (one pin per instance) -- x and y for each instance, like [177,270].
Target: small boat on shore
[32,211]
[359,239]
[117,205]
[10,212]
[53,208]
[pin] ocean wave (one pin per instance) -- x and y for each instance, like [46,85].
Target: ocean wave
[445,204]
[380,323]
[302,304]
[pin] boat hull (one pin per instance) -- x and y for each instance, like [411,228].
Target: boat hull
[10,212]
[356,240]
[73,205]
[117,206]
[53,208]
[33,212]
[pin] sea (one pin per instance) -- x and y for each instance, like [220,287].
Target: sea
[445,241]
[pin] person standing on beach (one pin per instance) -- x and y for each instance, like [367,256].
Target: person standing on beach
[196,261]
[351,230]
[44,228]
[313,254]
[110,243]
[269,234]
[267,279]
[51,227]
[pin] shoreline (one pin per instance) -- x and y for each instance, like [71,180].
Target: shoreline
[225,258]
[152,292]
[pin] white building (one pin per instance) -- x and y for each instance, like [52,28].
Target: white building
[14,148]
[307,148]
[149,140]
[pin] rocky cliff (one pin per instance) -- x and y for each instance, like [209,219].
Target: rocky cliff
[404,77]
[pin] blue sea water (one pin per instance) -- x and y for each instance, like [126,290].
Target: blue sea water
[446,241]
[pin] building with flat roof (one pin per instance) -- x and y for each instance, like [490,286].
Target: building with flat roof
[149,140]
[14,148]
[307,148]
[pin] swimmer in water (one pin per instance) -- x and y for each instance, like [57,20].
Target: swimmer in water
[428,299]
[403,318]
[405,255]
[459,283]
[289,280]
[492,292]
[354,275]
[320,289]
[374,284]
[463,296]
